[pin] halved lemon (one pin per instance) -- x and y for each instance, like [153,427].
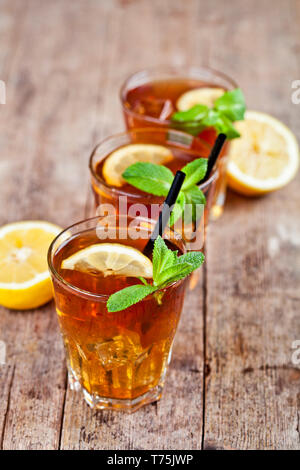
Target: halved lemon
[24,278]
[205,95]
[264,158]
[110,259]
[117,162]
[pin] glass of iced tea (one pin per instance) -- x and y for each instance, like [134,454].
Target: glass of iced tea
[119,360]
[126,199]
[150,97]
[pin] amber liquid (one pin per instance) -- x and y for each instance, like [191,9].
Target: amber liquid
[180,158]
[152,204]
[158,100]
[118,355]
[153,105]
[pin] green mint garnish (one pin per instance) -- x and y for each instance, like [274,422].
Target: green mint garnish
[157,180]
[153,179]
[194,171]
[129,296]
[232,105]
[194,203]
[167,268]
[228,108]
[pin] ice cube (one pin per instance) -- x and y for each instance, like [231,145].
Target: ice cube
[155,107]
[119,350]
[167,110]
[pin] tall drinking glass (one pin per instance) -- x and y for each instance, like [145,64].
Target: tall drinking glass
[149,98]
[128,199]
[119,360]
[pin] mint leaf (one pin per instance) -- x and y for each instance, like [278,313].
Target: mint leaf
[162,258]
[177,209]
[228,108]
[143,280]
[232,105]
[194,204]
[212,118]
[196,113]
[221,123]
[224,125]
[194,171]
[195,258]
[157,180]
[149,177]
[174,273]
[192,128]
[167,268]
[194,195]
[129,296]
[191,120]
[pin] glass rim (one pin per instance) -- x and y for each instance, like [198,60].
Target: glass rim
[83,292]
[163,68]
[119,191]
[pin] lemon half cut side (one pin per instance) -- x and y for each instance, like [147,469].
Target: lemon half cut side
[265,157]
[24,278]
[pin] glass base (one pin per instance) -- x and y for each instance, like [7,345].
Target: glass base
[127,405]
[105,403]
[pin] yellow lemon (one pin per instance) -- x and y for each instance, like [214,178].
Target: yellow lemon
[205,95]
[110,259]
[117,162]
[24,278]
[264,158]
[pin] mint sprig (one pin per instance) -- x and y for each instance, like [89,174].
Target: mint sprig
[153,179]
[157,180]
[129,296]
[167,268]
[230,107]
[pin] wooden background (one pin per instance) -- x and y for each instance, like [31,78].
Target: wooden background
[231,384]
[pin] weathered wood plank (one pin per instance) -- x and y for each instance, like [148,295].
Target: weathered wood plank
[252,390]
[49,119]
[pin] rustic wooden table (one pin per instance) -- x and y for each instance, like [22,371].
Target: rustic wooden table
[231,383]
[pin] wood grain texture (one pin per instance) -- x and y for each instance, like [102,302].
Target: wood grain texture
[253,261]
[63,63]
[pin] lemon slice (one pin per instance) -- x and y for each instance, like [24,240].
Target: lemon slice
[122,158]
[110,259]
[206,96]
[264,158]
[24,279]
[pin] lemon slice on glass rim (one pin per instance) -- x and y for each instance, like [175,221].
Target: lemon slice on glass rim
[110,259]
[265,157]
[117,162]
[206,96]
[24,278]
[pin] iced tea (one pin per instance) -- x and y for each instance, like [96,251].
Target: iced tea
[149,99]
[184,147]
[118,359]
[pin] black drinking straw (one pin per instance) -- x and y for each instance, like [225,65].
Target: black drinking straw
[215,152]
[165,213]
